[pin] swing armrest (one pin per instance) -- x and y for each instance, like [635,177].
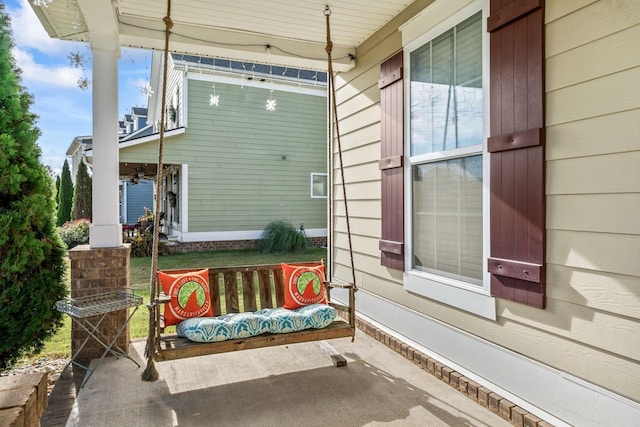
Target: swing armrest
[163,298]
[340,307]
[332,285]
[160,299]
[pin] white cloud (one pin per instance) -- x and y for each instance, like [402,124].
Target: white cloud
[55,75]
[64,110]
[28,32]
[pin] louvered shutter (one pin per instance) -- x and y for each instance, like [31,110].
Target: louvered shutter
[516,146]
[391,163]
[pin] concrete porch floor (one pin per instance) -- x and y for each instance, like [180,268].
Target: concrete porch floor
[294,385]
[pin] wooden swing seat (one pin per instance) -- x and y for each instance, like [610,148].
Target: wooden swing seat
[246,289]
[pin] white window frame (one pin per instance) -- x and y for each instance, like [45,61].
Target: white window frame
[454,292]
[313,175]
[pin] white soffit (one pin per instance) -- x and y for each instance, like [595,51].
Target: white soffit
[240,29]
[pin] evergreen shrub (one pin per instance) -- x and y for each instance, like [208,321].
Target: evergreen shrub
[65,195]
[32,256]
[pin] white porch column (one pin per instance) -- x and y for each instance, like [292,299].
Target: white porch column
[106,230]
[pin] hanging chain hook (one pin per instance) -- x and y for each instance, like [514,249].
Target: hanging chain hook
[327,10]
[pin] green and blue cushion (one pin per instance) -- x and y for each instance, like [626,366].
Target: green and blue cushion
[244,325]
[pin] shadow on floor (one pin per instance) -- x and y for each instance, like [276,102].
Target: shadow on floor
[62,397]
[355,395]
[277,386]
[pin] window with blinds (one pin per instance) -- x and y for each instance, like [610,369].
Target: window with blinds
[445,153]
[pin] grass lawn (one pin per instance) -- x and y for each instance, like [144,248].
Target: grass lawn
[60,344]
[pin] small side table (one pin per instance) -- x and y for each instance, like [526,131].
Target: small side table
[84,312]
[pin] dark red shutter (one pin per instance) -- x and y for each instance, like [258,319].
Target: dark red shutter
[516,146]
[391,163]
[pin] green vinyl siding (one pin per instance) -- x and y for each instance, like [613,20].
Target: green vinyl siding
[242,182]
[238,179]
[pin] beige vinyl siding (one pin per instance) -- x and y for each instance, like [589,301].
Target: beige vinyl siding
[593,186]
[238,180]
[590,326]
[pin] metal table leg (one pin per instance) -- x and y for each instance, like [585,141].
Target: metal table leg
[83,309]
[110,347]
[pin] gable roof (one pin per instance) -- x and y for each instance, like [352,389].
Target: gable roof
[139,111]
[143,131]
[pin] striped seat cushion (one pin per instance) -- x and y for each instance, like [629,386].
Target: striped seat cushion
[244,325]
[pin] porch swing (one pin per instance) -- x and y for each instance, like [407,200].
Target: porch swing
[258,287]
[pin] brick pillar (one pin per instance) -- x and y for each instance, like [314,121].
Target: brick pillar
[94,271]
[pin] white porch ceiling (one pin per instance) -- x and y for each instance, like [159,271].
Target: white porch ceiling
[239,29]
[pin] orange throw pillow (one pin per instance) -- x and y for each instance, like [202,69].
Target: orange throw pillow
[303,285]
[189,294]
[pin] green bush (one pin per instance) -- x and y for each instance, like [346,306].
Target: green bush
[282,237]
[74,233]
[32,256]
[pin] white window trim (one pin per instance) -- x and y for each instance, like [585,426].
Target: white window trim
[314,174]
[456,293]
[175,178]
[184,200]
[185,100]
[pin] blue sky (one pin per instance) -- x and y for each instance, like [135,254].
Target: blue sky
[64,110]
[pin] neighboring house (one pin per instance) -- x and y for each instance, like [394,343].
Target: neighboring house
[133,122]
[232,165]
[136,192]
[76,152]
[510,248]
[136,198]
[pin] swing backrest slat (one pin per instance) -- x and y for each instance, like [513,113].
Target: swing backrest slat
[245,288]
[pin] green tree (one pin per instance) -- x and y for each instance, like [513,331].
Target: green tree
[57,188]
[82,193]
[65,195]
[32,257]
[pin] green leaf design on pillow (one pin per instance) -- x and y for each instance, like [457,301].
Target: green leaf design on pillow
[185,293]
[306,278]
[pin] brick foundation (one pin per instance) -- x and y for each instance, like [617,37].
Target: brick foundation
[94,271]
[482,395]
[183,247]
